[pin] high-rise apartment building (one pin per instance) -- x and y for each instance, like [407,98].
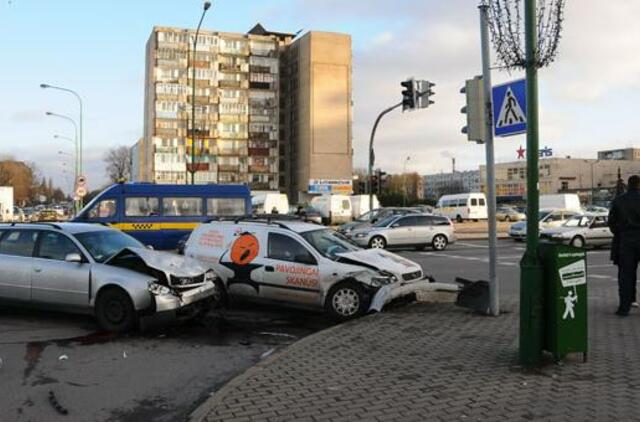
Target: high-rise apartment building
[270,112]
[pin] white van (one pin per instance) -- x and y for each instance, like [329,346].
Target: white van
[464,206]
[270,203]
[334,209]
[567,201]
[360,205]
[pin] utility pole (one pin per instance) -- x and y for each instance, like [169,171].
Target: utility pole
[531,304]
[494,287]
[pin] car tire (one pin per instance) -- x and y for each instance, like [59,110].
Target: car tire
[221,297]
[458,219]
[439,242]
[377,242]
[577,242]
[347,300]
[115,312]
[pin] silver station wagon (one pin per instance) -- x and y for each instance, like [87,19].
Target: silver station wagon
[94,269]
[581,231]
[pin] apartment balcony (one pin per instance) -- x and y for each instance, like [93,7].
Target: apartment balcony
[166,133]
[233,118]
[232,168]
[271,86]
[260,69]
[229,84]
[233,68]
[256,168]
[259,152]
[259,136]
[260,186]
[234,51]
[232,135]
[197,167]
[232,151]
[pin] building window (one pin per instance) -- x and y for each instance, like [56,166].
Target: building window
[565,186]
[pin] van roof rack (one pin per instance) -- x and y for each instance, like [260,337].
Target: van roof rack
[261,218]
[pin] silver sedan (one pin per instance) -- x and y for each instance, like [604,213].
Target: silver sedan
[94,269]
[413,230]
[581,231]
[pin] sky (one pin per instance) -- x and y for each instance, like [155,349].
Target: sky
[587,97]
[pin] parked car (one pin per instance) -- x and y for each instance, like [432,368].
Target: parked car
[334,209]
[270,203]
[593,209]
[509,214]
[299,264]
[94,269]
[581,231]
[48,215]
[373,216]
[416,230]
[548,218]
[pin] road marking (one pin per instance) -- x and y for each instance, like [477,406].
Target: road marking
[601,277]
[472,245]
[602,266]
[469,258]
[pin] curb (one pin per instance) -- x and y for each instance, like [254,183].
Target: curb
[216,397]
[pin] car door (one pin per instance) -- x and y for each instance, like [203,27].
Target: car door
[423,230]
[16,261]
[599,232]
[54,280]
[290,272]
[402,231]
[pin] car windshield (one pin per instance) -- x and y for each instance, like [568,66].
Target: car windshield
[578,221]
[386,221]
[368,216]
[543,214]
[103,244]
[328,242]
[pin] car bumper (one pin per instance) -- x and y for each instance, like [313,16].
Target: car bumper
[517,236]
[360,241]
[394,291]
[173,302]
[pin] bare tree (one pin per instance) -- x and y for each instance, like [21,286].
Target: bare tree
[118,162]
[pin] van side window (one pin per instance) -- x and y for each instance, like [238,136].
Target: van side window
[103,209]
[141,207]
[482,202]
[284,248]
[474,202]
[226,206]
[182,207]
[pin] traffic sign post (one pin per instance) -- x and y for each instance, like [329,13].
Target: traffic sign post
[510,108]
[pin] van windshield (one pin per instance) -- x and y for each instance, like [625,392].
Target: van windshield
[329,242]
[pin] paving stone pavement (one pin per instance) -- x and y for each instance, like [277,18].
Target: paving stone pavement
[438,362]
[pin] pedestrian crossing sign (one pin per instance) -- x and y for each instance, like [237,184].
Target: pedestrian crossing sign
[510,108]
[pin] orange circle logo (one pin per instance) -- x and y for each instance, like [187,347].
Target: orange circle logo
[244,249]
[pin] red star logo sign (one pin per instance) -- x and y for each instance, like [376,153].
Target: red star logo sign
[521,152]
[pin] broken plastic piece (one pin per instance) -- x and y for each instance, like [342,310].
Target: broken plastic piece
[63,357]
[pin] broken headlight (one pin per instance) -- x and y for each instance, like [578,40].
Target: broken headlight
[159,289]
[383,279]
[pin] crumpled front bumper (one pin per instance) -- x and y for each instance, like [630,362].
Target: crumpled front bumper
[172,302]
[396,290]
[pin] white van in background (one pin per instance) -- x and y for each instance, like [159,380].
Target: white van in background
[567,201]
[270,203]
[6,204]
[463,206]
[334,209]
[360,205]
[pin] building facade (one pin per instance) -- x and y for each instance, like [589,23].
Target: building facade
[436,185]
[253,125]
[628,154]
[588,177]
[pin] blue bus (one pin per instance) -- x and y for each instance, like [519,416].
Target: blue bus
[161,215]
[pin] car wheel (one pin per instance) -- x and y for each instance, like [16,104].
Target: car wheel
[577,242]
[377,242]
[220,297]
[439,242]
[459,218]
[347,300]
[114,311]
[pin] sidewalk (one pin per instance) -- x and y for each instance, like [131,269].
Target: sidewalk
[438,362]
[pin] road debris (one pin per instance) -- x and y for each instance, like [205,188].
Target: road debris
[63,357]
[269,333]
[267,353]
[56,405]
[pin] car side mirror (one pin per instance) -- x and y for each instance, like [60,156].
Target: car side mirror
[395,225]
[74,258]
[149,247]
[305,259]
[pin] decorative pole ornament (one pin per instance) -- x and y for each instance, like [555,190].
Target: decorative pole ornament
[506,22]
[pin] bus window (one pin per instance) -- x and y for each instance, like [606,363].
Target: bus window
[141,207]
[226,206]
[103,209]
[182,207]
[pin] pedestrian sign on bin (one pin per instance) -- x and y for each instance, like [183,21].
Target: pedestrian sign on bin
[510,108]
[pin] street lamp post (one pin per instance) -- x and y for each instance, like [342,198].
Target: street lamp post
[75,143]
[592,185]
[80,142]
[404,181]
[206,6]
[75,127]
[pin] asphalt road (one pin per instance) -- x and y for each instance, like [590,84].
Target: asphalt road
[163,373]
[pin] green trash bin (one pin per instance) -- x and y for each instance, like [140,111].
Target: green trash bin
[565,293]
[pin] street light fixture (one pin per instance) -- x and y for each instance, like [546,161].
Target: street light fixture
[206,6]
[78,166]
[404,181]
[80,144]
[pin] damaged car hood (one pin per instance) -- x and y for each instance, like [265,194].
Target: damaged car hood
[167,262]
[381,260]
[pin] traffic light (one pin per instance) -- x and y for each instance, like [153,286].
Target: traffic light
[409,96]
[424,89]
[381,178]
[375,185]
[476,128]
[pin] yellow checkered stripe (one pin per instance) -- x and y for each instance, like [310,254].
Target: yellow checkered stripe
[130,227]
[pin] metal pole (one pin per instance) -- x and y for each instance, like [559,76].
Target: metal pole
[494,287]
[531,300]
[371,156]
[193,99]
